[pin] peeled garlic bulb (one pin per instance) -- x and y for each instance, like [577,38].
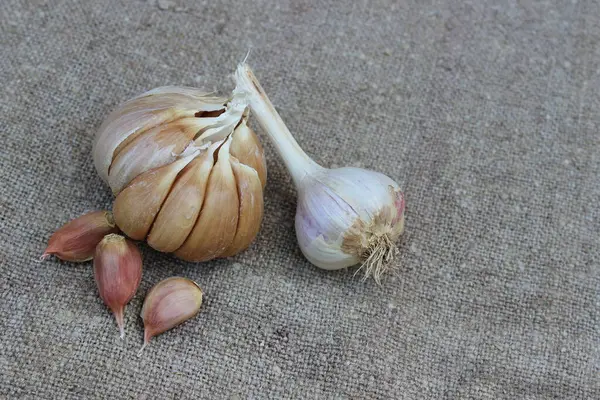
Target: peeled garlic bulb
[187,172]
[345,216]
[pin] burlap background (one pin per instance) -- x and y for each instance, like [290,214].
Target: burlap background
[486,112]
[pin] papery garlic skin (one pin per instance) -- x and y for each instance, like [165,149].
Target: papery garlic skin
[168,156]
[345,216]
[146,111]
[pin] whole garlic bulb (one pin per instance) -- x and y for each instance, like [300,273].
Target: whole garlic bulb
[345,216]
[187,172]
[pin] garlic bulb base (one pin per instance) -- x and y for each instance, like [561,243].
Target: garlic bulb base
[375,243]
[372,248]
[378,257]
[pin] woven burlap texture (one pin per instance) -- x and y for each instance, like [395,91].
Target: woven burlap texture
[485,112]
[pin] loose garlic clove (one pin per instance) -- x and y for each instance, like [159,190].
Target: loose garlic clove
[137,205]
[247,149]
[180,211]
[118,272]
[76,241]
[168,304]
[251,207]
[152,149]
[216,225]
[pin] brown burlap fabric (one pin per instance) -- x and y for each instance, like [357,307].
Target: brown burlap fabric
[486,113]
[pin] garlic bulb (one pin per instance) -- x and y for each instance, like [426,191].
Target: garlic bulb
[345,216]
[187,171]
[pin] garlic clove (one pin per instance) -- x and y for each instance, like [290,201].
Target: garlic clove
[77,240]
[137,205]
[216,225]
[168,304]
[251,207]
[118,272]
[247,149]
[150,109]
[152,149]
[180,211]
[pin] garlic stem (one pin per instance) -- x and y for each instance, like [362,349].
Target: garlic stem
[298,163]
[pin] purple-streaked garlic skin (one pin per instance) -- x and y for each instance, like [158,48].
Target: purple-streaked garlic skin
[118,272]
[168,304]
[76,241]
[322,217]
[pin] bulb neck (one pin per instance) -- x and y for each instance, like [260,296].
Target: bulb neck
[249,90]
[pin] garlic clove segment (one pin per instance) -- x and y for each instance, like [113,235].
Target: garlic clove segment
[216,225]
[138,204]
[76,241]
[118,272]
[345,216]
[246,147]
[168,304]
[180,211]
[249,188]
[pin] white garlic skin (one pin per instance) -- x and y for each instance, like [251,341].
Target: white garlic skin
[331,201]
[145,111]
